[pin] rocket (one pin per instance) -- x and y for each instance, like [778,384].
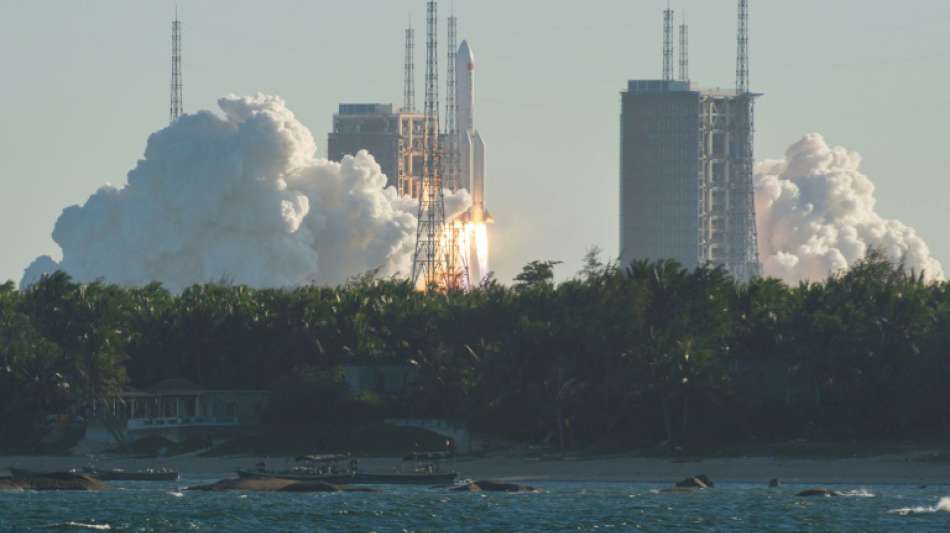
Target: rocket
[471,153]
[471,147]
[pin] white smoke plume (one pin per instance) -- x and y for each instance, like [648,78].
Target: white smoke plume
[240,197]
[815,214]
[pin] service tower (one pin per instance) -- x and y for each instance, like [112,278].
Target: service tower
[686,178]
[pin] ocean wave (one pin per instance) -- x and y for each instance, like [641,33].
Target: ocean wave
[943,506]
[80,525]
[860,493]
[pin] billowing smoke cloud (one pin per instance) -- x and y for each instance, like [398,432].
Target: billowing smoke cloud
[816,216]
[242,198]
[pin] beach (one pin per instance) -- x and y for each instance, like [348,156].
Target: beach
[895,469]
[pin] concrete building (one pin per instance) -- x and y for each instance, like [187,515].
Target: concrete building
[686,177]
[395,138]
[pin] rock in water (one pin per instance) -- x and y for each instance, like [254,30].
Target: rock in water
[774,483]
[701,481]
[494,486]
[818,492]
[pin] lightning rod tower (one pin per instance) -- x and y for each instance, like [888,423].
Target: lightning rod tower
[409,82]
[175,105]
[668,44]
[430,261]
[684,51]
[744,213]
[451,107]
[742,55]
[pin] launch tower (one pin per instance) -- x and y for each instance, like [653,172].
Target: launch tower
[686,183]
[436,261]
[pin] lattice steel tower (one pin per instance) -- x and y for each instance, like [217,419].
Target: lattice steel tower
[409,82]
[175,108]
[743,210]
[742,54]
[684,51]
[668,44]
[430,262]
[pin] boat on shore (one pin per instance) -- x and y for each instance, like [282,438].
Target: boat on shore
[118,474]
[23,473]
[426,470]
[114,474]
[315,468]
[342,469]
[405,478]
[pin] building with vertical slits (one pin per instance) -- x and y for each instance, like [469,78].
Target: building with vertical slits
[395,138]
[686,165]
[686,183]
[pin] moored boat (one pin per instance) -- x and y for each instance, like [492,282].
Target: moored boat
[23,473]
[114,474]
[405,478]
[118,474]
[426,470]
[318,468]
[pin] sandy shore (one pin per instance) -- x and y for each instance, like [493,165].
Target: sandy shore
[890,469]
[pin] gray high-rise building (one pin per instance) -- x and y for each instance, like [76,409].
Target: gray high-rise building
[394,138]
[686,176]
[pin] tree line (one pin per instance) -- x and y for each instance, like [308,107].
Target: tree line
[616,357]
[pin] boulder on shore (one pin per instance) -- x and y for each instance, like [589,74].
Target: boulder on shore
[818,492]
[54,481]
[494,486]
[275,485]
[700,481]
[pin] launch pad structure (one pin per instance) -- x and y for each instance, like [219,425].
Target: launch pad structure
[436,262]
[422,161]
[686,187]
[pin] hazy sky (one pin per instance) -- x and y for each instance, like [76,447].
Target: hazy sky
[86,82]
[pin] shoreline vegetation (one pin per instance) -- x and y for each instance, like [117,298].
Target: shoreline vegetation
[678,363]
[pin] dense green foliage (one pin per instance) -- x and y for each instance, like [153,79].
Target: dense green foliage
[612,358]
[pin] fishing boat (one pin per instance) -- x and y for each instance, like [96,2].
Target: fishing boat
[114,474]
[405,478]
[118,474]
[23,473]
[426,470]
[322,468]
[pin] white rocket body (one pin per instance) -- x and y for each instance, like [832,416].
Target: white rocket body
[471,162]
[471,147]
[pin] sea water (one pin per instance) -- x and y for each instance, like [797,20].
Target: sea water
[595,507]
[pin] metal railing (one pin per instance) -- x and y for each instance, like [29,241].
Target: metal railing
[180,422]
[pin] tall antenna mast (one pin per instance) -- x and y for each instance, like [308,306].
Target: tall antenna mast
[451,107]
[668,44]
[430,260]
[745,190]
[176,103]
[742,56]
[684,51]
[409,83]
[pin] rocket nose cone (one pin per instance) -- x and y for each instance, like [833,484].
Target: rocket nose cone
[465,52]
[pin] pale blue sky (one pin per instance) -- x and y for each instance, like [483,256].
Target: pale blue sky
[85,82]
